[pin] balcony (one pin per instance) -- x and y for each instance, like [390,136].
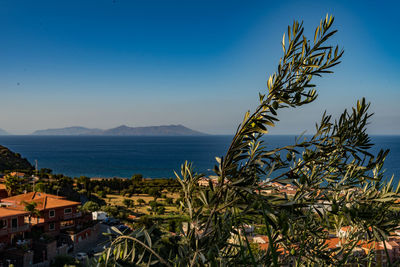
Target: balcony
[66,226]
[21,228]
[72,215]
[3,232]
[11,230]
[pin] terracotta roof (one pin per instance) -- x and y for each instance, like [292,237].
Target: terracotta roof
[43,200]
[48,203]
[132,217]
[29,197]
[7,212]
[346,228]
[393,244]
[332,242]
[2,186]
[17,174]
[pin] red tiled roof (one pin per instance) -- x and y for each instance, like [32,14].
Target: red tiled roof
[29,197]
[332,242]
[7,212]
[43,200]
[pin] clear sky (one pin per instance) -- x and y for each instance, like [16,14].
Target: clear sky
[104,63]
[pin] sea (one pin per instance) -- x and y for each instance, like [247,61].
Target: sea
[153,157]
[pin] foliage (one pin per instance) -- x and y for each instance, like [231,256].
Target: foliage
[13,184]
[91,206]
[112,210]
[63,260]
[169,201]
[155,193]
[41,187]
[101,194]
[129,203]
[337,181]
[137,177]
[10,161]
[141,201]
[31,208]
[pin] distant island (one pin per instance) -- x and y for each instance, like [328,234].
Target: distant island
[123,130]
[2,132]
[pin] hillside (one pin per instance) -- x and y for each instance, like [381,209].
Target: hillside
[123,130]
[12,161]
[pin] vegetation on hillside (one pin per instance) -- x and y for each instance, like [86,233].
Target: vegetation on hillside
[338,183]
[10,161]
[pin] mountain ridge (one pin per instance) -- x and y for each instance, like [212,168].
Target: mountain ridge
[123,130]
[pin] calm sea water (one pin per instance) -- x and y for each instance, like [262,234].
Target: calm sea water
[111,156]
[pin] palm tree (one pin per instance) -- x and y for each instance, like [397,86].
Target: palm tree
[31,208]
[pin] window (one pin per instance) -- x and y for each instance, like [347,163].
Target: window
[52,213]
[66,211]
[3,223]
[51,226]
[14,222]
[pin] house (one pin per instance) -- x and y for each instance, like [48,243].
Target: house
[56,212]
[55,226]
[13,225]
[345,232]
[18,174]
[99,215]
[204,181]
[260,239]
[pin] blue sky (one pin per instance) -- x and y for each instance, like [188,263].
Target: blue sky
[198,63]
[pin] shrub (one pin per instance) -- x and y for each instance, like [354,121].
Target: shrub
[91,206]
[169,201]
[141,201]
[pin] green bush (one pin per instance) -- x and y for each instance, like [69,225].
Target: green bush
[91,206]
[141,201]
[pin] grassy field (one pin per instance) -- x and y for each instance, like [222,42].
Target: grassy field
[117,200]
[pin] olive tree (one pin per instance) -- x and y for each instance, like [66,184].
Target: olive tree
[337,180]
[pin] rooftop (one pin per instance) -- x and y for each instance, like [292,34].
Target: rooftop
[7,212]
[30,196]
[43,200]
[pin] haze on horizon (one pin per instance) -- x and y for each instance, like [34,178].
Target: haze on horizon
[100,64]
